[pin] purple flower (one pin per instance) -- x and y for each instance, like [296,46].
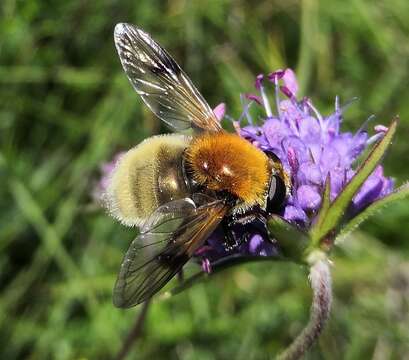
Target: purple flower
[311,147]
[219,111]
[106,170]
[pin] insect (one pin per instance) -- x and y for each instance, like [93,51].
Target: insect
[178,188]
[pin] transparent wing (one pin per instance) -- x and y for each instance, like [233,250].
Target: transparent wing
[161,83]
[167,241]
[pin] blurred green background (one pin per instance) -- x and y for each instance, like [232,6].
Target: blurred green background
[66,107]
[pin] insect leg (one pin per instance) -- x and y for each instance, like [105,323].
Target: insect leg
[230,237]
[239,228]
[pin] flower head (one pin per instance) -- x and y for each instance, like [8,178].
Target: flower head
[312,149]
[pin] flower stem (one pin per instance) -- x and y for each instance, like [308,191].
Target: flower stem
[135,332]
[320,278]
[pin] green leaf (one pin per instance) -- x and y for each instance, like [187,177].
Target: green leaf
[292,240]
[399,194]
[325,205]
[337,209]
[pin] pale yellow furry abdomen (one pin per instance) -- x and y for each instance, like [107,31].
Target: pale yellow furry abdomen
[145,177]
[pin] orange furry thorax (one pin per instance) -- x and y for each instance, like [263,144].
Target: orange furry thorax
[224,161]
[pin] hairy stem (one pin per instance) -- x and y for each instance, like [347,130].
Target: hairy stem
[320,278]
[135,332]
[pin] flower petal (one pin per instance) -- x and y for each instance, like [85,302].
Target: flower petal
[290,81]
[308,197]
[295,214]
[310,130]
[258,246]
[309,174]
[219,111]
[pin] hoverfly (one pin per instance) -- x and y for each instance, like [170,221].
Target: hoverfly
[179,188]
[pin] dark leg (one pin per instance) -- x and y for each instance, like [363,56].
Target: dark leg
[238,228]
[231,240]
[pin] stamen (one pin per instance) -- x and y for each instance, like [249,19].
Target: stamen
[236,123]
[365,124]
[286,91]
[380,131]
[380,128]
[255,98]
[337,103]
[246,107]
[348,104]
[275,76]
[316,112]
[305,107]
[263,94]
[246,113]
[375,138]
[259,79]
[230,118]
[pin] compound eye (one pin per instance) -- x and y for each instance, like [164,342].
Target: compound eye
[276,194]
